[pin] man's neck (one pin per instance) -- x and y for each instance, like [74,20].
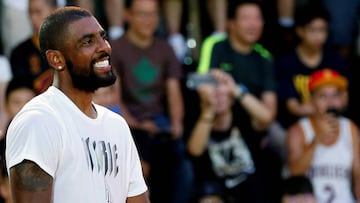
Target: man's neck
[310,57]
[82,99]
[308,52]
[240,46]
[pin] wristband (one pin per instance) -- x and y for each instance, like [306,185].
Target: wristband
[242,91]
[286,22]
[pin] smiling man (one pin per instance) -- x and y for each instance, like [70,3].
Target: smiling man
[61,147]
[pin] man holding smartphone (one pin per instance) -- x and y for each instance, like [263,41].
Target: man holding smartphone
[252,68]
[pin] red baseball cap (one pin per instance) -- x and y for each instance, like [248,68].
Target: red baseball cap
[327,77]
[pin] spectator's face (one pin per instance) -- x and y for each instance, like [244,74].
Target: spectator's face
[143,18]
[87,54]
[314,34]
[325,97]
[17,99]
[247,26]
[38,11]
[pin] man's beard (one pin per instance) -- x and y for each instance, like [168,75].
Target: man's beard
[89,81]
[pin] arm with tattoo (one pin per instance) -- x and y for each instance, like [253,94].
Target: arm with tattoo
[29,183]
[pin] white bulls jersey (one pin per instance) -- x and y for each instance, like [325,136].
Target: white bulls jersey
[331,166]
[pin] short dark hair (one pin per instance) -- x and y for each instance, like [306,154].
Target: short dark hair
[55,27]
[307,13]
[295,185]
[17,83]
[233,6]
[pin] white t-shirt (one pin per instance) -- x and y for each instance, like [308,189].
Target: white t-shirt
[91,160]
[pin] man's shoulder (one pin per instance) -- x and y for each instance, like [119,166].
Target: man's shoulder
[48,103]
[214,42]
[217,42]
[39,105]
[262,51]
[35,115]
[296,130]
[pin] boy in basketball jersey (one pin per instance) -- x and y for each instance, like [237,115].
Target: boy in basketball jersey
[325,145]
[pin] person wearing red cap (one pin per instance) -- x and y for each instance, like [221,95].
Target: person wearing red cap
[325,145]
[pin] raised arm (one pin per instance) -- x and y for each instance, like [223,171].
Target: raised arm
[262,111]
[200,134]
[299,156]
[30,184]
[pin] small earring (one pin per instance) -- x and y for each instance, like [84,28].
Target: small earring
[60,67]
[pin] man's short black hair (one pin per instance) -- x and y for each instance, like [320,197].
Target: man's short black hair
[233,5]
[307,13]
[295,185]
[17,83]
[54,29]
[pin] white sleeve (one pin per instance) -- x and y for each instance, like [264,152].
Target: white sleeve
[36,137]
[5,70]
[137,183]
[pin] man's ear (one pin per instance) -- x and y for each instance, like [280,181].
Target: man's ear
[55,59]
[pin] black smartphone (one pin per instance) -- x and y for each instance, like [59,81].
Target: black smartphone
[194,80]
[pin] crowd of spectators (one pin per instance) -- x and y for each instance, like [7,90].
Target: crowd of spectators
[227,140]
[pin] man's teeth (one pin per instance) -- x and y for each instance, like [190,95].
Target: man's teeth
[101,64]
